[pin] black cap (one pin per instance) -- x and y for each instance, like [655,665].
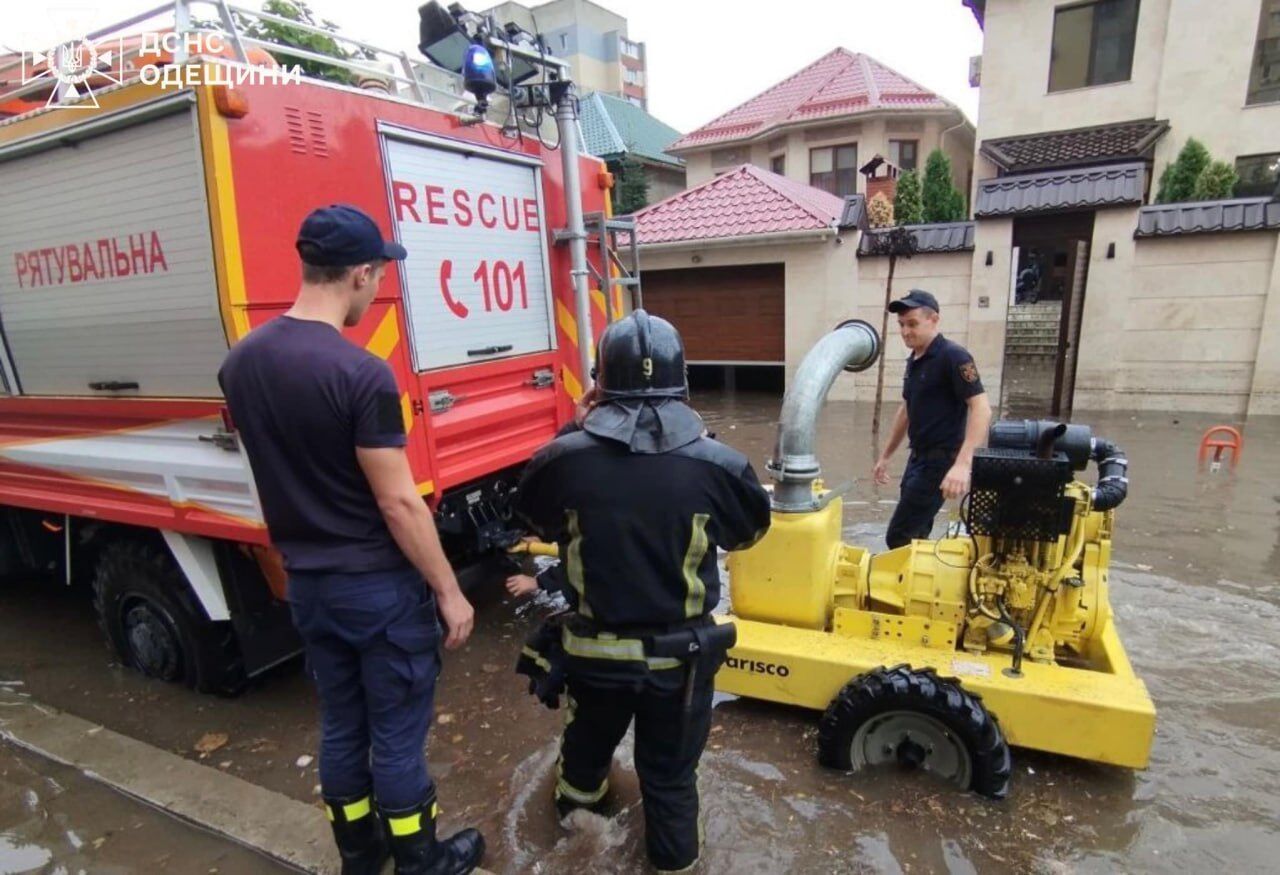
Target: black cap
[341,235]
[913,299]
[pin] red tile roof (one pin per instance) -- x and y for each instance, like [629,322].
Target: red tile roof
[837,84]
[743,202]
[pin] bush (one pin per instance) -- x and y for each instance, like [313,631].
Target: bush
[1215,182]
[907,209]
[880,212]
[1178,182]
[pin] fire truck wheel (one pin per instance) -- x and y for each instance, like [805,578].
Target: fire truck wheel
[916,720]
[152,621]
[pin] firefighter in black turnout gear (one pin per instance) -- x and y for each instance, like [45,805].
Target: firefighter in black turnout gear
[639,500]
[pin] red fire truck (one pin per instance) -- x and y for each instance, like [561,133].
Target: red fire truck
[146,225]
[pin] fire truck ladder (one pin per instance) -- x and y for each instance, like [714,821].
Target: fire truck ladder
[615,272]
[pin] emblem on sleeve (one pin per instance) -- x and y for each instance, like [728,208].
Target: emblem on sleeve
[969,371]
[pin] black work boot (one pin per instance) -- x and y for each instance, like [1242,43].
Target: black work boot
[569,799]
[416,850]
[566,806]
[360,835]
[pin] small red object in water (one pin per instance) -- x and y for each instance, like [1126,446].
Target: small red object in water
[1230,441]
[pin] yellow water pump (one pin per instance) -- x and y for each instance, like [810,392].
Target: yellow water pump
[941,654]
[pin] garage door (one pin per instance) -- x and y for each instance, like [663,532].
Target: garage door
[726,315]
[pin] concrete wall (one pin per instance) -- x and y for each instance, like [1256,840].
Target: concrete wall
[872,134]
[947,276]
[1190,66]
[1178,323]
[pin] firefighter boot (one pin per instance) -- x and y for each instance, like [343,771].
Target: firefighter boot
[416,850]
[359,834]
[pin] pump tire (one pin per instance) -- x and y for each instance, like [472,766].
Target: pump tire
[154,624]
[934,700]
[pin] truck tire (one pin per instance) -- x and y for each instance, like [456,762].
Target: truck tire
[916,719]
[154,624]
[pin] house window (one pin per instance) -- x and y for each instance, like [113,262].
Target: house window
[1264,75]
[834,169]
[564,42]
[1092,44]
[778,164]
[902,153]
[1259,175]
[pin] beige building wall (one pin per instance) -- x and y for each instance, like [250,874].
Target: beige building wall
[821,284]
[1176,323]
[948,276]
[663,182]
[871,134]
[1191,63]
[1188,323]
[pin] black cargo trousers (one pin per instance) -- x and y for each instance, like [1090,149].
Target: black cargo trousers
[921,496]
[669,740]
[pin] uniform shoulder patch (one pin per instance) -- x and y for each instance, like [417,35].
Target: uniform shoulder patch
[969,372]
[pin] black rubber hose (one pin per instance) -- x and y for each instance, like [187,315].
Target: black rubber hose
[1113,480]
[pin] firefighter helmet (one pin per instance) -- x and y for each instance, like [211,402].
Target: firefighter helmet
[641,356]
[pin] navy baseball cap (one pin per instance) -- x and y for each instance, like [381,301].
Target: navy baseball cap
[913,299]
[341,235]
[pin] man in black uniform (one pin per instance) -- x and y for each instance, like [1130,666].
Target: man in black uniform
[639,500]
[321,423]
[944,412]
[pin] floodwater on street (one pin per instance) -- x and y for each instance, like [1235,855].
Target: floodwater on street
[1193,583]
[55,820]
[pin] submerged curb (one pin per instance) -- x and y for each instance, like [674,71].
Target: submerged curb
[274,825]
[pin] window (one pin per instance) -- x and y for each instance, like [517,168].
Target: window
[1092,44]
[1259,175]
[834,169]
[778,164]
[902,153]
[1264,74]
[564,42]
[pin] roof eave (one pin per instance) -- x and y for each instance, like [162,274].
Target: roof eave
[815,235]
[786,127]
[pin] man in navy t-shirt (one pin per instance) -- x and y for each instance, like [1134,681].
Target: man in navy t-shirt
[321,422]
[944,412]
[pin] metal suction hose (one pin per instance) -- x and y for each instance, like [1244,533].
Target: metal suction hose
[853,346]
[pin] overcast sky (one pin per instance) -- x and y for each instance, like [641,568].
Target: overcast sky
[704,56]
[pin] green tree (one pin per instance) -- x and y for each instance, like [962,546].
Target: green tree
[938,194]
[1178,181]
[1215,182]
[907,209]
[632,191]
[298,10]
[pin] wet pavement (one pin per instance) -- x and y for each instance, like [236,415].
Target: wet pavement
[1194,584]
[55,820]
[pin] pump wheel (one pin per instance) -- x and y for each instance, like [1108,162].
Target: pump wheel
[915,719]
[153,623]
